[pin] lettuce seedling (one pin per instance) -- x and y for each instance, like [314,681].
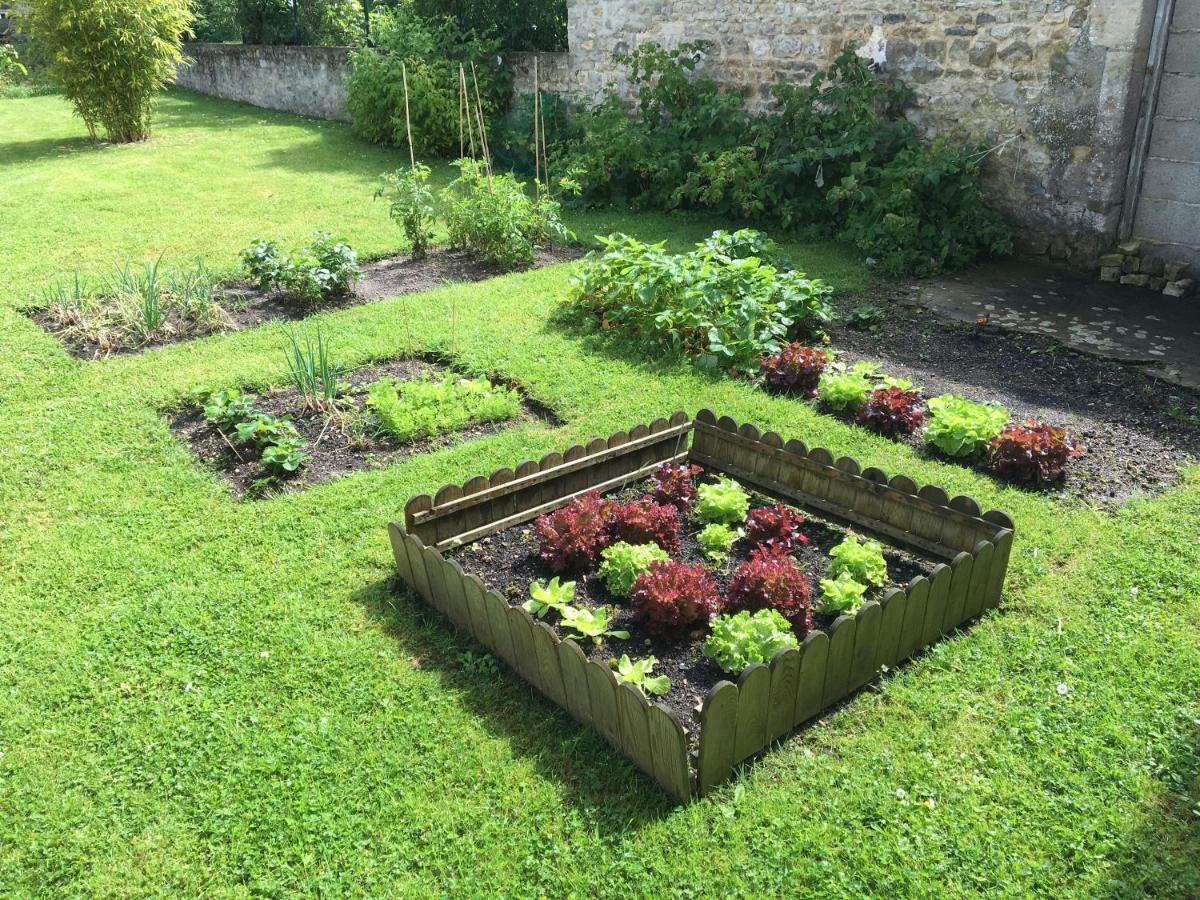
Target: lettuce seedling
[740,640]
[716,540]
[549,595]
[723,503]
[863,561]
[590,623]
[842,594]
[264,430]
[638,674]
[622,563]
[962,428]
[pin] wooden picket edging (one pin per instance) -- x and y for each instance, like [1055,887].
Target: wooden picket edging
[738,720]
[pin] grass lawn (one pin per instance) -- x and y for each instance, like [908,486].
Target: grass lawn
[219,698]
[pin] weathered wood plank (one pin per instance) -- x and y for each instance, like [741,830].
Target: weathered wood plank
[635,726]
[602,699]
[496,609]
[935,607]
[573,665]
[977,592]
[913,628]
[1003,542]
[814,660]
[866,645]
[545,645]
[416,563]
[841,657]
[964,567]
[891,627]
[396,538]
[754,693]
[668,746]
[785,682]
[718,734]
[520,625]
[456,585]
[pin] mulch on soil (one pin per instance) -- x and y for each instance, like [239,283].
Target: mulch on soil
[508,561]
[337,444]
[245,306]
[1136,430]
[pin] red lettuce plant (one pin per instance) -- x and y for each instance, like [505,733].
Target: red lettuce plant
[795,369]
[892,411]
[770,579]
[672,596]
[1032,453]
[674,485]
[643,521]
[777,527]
[573,536]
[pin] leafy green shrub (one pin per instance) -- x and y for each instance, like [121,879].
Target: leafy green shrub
[519,24]
[837,155]
[864,562]
[492,217]
[842,594]
[545,596]
[11,67]
[111,57]
[622,563]
[845,389]
[318,271]
[433,49]
[723,503]
[716,540]
[638,674]
[724,311]
[326,23]
[743,639]
[410,204]
[961,428]
[427,407]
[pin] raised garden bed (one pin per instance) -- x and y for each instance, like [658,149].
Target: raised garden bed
[338,441]
[241,305]
[961,551]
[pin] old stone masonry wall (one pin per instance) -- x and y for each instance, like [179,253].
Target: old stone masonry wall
[1053,85]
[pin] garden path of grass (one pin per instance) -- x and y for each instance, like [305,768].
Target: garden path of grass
[203,697]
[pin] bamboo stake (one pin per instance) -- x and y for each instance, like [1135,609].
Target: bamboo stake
[483,142]
[537,96]
[545,152]
[466,106]
[461,100]
[412,155]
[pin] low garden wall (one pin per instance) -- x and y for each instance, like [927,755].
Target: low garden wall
[309,81]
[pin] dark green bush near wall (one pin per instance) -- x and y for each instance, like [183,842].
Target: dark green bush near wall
[837,158]
[317,22]
[433,50]
[518,24]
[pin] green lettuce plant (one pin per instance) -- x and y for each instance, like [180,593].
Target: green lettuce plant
[545,596]
[410,410]
[638,674]
[723,503]
[591,623]
[846,389]
[740,640]
[960,427]
[716,539]
[622,563]
[842,594]
[864,562]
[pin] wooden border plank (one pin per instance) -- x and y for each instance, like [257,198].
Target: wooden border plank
[754,694]
[668,746]
[912,631]
[866,645]
[785,681]
[602,699]
[891,627]
[1003,543]
[573,665]
[841,656]
[985,554]
[718,732]
[814,660]
[960,587]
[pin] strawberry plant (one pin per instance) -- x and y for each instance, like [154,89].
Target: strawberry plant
[796,369]
[264,429]
[961,428]
[892,411]
[546,596]
[284,456]
[743,639]
[770,579]
[675,484]
[842,594]
[622,563]
[591,623]
[864,562]
[228,408]
[643,521]
[638,674]
[722,503]
[572,537]
[1032,453]
[672,597]
[775,527]
[716,540]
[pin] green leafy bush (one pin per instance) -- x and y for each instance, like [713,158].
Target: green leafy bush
[864,562]
[745,638]
[328,23]
[622,563]
[837,156]
[519,24]
[321,270]
[11,67]
[545,596]
[722,503]
[638,674]
[433,49]
[427,407]
[842,594]
[960,427]
[410,204]
[716,540]
[847,389]
[111,58]
[494,218]
[725,311]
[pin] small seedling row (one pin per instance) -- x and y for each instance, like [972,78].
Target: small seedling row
[469,552]
[338,440]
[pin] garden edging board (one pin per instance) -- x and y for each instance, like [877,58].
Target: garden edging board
[737,720]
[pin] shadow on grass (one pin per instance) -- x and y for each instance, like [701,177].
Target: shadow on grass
[597,779]
[14,152]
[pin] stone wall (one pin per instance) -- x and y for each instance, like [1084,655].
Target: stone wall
[1053,84]
[309,81]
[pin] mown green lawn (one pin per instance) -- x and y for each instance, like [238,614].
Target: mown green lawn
[205,697]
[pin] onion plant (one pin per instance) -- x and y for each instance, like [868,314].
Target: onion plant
[312,373]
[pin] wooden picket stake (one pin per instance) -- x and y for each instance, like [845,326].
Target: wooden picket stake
[412,156]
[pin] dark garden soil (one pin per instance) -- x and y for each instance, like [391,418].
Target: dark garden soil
[1136,430]
[508,561]
[245,306]
[338,444]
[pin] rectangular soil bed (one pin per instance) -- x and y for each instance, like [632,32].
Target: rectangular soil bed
[471,552]
[338,441]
